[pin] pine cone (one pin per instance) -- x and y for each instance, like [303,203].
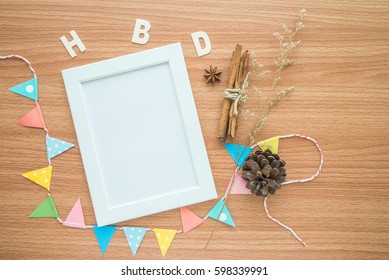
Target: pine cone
[264,172]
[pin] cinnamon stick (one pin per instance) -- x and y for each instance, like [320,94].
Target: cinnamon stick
[224,118]
[230,117]
[238,83]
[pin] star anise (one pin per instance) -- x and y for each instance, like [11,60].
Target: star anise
[212,74]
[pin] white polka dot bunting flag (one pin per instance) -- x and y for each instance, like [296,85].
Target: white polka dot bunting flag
[42,176]
[55,146]
[134,237]
[164,238]
[27,89]
[221,213]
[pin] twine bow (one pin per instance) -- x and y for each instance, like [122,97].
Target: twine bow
[237,94]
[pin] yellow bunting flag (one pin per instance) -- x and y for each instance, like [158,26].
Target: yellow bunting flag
[271,144]
[42,176]
[164,238]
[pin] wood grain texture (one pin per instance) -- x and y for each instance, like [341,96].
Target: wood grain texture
[341,99]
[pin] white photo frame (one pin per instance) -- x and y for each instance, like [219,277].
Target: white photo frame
[139,134]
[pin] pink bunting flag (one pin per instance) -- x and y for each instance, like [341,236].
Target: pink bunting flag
[75,217]
[238,185]
[189,219]
[34,118]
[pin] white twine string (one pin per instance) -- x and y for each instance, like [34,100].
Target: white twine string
[34,73]
[321,158]
[236,94]
[296,181]
[22,58]
[230,184]
[281,224]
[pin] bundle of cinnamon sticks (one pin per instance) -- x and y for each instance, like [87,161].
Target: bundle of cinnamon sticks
[238,71]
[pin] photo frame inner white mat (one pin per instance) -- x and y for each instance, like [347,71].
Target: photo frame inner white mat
[139,134]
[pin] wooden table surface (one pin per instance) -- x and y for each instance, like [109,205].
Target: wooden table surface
[341,99]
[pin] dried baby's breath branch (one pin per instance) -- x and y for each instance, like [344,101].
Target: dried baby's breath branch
[256,129]
[279,95]
[287,44]
[263,74]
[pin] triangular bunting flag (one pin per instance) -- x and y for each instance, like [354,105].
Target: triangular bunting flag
[27,89]
[33,118]
[220,212]
[42,176]
[104,235]
[164,238]
[134,237]
[238,185]
[45,210]
[56,146]
[238,152]
[189,219]
[271,144]
[76,216]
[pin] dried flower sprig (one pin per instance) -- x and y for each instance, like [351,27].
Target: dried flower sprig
[287,44]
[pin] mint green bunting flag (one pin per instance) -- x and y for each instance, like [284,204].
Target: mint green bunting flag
[221,213]
[27,89]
